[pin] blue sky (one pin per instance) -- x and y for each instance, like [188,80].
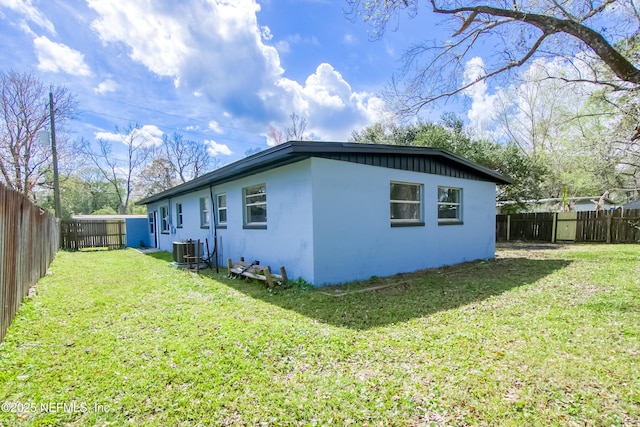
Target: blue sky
[220,72]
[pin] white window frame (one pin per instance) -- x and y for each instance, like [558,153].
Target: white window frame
[152,223]
[220,209]
[247,194]
[179,215]
[205,217]
[407,222]
[164,219]
[458,205]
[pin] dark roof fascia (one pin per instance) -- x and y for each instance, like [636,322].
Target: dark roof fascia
[259,162]
[294,151]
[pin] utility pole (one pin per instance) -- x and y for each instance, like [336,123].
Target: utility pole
[54,154]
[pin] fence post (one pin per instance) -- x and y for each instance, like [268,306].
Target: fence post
[554,227]
[609,215]
[508,227]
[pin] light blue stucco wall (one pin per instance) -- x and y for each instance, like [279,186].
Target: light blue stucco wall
[353,237]
[287,240]
[137,232]
[328,222]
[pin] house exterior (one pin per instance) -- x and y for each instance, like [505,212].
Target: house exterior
[335,212]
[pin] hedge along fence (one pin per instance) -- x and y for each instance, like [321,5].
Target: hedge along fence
[29,239]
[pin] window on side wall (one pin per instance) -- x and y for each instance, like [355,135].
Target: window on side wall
[449,205]
[405,204]
[205,217]
[222,209]
[255,206]
[164,220]
[179,215]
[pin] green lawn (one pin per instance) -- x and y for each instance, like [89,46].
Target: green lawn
[535,337]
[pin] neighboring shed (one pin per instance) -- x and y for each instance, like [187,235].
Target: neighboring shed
[632,205]
[577,204]
[136,232]
[337,212]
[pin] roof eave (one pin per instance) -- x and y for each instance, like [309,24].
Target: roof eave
[293,151]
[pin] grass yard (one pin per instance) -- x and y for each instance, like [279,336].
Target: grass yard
[536,337]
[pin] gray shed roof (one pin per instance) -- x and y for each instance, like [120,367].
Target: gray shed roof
[632,205]
[420,159]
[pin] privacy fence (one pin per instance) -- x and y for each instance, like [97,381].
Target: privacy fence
[615,226]
[29,239]
[82,234]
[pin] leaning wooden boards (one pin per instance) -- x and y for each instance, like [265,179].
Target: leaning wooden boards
[256,271]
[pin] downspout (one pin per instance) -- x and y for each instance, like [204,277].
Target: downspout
[214,215]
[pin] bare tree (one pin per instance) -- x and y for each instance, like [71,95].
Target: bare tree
[298,126]
[515,33]
[120,169]
[25,160]
[189,159]
[276,135]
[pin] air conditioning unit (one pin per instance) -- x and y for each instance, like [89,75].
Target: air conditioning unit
[180,249]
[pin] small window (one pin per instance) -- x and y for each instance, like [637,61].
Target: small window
[449,205]
[204,213]
[152,224]
[164,220]
[222,209]
[405,204]
[179,215]
[255,206]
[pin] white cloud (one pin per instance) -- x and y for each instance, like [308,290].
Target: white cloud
[106,86]
[56,57]
[215,126]
[218,50]
[31,13]
[482,110]
[266,33]
[328,103]
[148,135]
[350,39]
[215,149]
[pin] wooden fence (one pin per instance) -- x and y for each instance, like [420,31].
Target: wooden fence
[82,234]
[606,226]
[29,239]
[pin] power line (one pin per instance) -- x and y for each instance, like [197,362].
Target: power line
[200,133]
[152,110]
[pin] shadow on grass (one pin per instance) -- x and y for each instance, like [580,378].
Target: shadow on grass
[410,296]
[161,255]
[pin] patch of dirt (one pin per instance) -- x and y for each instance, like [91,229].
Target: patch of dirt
[520,249]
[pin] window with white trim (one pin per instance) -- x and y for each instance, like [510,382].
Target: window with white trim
[405,204]
[205,218]
[449,205]
[222,209]
[255,206]
[164,219]
[179,215]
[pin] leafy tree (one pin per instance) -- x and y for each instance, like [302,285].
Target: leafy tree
[515,33]
[83,193]
[157,176]
[24,116]
[508,159]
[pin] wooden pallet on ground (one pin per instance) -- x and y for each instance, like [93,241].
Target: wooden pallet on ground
[256,271]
